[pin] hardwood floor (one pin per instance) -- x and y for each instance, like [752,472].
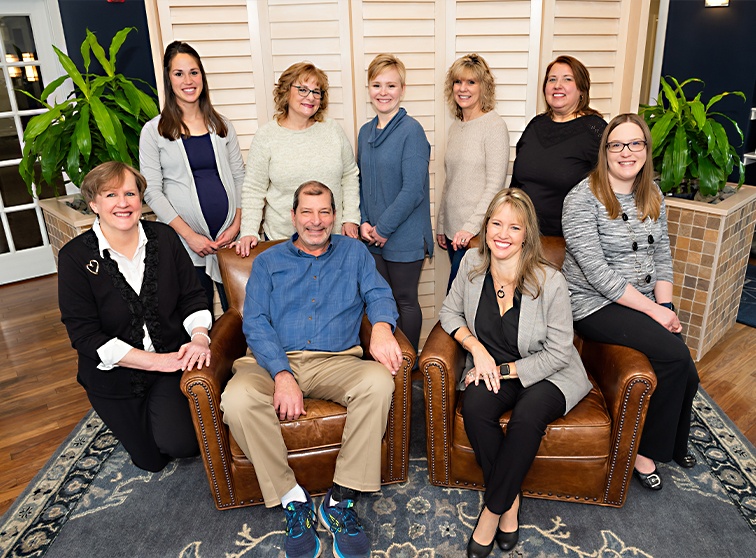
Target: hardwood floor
[41,401]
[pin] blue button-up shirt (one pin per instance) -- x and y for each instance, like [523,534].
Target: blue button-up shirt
[299,302]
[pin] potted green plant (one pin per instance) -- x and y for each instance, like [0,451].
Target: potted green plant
[709,241]
[99,121]
[690,147]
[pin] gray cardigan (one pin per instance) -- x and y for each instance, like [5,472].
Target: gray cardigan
[171,191]
[544,333]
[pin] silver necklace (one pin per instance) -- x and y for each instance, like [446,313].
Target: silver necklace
[643,269]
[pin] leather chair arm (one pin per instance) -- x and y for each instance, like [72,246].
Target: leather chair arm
[408,351]
[619,372]
[398,427]
[441,363]
[626,380]
[227,344]
[203,388]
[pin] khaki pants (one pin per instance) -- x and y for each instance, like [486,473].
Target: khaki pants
[364,387]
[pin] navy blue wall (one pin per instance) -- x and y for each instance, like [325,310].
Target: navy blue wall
[717,45]
[105,19]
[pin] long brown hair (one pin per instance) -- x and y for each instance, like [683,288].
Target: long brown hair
[582,82]
[171,125]
[294,73]
[647,195]
[531,270]
[476,65]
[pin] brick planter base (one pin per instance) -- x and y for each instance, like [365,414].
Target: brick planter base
[710,247]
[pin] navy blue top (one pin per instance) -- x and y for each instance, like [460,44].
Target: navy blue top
[210,191]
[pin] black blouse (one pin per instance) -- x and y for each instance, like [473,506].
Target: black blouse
[552,157]
[497,333]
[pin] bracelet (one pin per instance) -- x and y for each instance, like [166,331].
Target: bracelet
[669,305]
[465,339]
[205,335]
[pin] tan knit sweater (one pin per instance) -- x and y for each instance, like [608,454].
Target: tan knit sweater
[280,160]
[476,162]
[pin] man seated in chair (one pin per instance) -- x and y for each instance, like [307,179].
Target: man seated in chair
[304,304]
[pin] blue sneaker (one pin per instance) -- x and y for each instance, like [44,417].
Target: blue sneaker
[301,537]
[349,539]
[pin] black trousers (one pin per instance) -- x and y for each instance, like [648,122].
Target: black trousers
[665,434]
[403,278]
[154,428]
[506,459]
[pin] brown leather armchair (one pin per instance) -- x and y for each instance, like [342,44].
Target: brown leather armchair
[313,440]
[586,456]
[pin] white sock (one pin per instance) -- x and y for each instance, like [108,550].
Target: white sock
[296,494]
[332,502]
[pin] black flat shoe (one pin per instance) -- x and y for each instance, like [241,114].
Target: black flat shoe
[687,462]
[507,541]
[652,481]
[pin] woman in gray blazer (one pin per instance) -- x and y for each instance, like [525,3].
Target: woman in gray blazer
[194,169]
[511,311]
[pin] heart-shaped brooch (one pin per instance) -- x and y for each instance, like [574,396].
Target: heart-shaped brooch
[93,267]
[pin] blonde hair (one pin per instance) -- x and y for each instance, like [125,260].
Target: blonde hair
[647,195]
[384,62]
[109,176]
[531,270]
[476,65]
[301,71]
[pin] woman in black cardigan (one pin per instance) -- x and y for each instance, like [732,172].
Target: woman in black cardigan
[137,315]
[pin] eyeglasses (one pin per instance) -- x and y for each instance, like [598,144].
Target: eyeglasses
[618,146]
[304,91]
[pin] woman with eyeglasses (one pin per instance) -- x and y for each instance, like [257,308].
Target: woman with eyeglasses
[558,148]
[298,145]
[477,156]
[619,269]
[191,159]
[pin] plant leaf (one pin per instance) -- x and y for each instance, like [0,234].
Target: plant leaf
[710,177]
[117,42]
[72,71]
[674,104]
[659,132]
[103,121]
[99,53]
[52,86]
[699,112]
[679,155]
[42,122]
[716,98]
[82,136]
[84,48]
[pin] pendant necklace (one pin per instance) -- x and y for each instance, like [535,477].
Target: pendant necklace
[643,269]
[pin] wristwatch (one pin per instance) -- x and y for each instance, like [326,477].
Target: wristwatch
[504,370]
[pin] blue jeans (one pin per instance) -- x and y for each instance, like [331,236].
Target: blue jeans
[455,256]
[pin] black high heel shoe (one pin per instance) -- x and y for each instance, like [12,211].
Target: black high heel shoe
[507,541]
[687,462]
[475,549]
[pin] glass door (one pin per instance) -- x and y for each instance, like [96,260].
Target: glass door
[27,63]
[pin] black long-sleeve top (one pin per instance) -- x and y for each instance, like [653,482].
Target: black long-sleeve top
[552,157]
[97,304]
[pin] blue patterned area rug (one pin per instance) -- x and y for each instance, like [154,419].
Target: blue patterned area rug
[90,501]
[747,308]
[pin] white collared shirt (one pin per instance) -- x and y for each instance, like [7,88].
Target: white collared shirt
[133,271]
